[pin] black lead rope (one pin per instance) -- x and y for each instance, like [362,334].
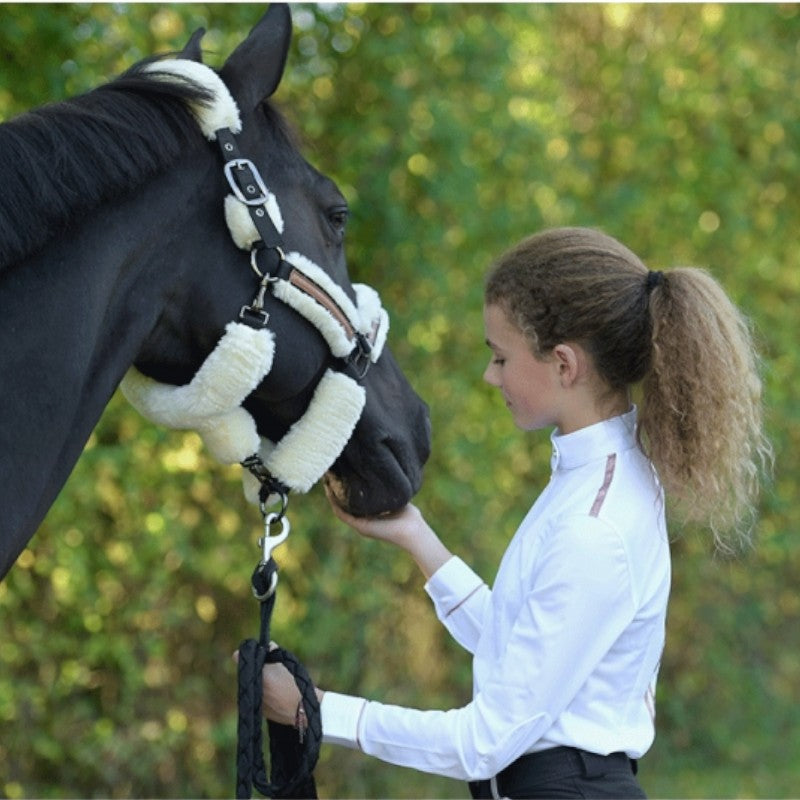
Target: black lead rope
[293,750]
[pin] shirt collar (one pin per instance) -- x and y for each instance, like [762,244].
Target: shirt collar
[612,435]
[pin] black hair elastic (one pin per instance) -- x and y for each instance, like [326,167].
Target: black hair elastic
[654,278]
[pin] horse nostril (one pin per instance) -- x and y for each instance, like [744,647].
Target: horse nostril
[426,416]
[424,433]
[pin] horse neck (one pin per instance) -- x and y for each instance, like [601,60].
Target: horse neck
[73,319]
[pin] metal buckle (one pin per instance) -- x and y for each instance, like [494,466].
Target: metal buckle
[246,163]
[359,357]
[253,317]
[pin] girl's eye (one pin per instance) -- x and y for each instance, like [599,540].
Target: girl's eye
[498,361]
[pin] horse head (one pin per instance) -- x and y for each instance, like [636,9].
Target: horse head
[377,465]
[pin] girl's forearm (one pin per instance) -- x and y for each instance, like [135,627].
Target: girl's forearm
[427,550]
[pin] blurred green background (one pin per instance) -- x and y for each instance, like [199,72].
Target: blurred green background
[454,130]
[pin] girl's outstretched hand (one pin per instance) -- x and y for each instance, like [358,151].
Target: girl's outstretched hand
[394,528]
[407,529]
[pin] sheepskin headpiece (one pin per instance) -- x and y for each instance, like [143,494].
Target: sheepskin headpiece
[222,112]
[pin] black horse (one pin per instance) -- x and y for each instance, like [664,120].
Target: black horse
[114,252]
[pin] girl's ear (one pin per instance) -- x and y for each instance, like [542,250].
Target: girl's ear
[570,361]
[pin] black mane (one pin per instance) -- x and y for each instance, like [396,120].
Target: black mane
[62,160]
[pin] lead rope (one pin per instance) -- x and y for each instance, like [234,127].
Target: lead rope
[293,750]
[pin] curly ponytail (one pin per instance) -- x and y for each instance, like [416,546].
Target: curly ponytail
[676,334]
[701,418]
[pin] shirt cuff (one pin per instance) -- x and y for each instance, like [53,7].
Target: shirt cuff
[341,714]
[452,584]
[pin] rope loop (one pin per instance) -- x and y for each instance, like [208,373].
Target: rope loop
[292,759]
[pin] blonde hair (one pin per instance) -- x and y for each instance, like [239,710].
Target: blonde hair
[674,333]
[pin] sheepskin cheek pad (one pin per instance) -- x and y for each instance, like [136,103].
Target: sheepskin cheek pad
[316,440]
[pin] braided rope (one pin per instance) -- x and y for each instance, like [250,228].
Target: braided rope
[250,769]
[293,758]
[293,754]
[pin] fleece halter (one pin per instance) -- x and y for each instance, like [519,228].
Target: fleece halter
[355,332]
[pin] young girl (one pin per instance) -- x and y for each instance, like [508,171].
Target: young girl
[567,643]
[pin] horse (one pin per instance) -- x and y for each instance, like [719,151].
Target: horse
[115,256]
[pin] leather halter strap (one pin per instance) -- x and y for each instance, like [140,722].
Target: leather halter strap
[270,263]
[249,188]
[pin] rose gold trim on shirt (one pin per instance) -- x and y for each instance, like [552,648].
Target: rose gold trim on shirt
[650,702]
[461,602]
[611,462]
[358,726]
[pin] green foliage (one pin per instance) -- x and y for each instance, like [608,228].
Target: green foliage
[454,130]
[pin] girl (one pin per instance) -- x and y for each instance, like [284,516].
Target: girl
[566,645]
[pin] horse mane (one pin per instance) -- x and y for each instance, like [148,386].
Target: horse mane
[62,160]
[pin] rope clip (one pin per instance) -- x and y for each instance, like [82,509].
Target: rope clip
[270,541]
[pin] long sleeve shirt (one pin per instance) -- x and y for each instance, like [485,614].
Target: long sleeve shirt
[566,645]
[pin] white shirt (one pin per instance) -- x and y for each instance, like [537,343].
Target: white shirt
[568,642]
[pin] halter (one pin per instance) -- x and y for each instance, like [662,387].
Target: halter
[212,404]
[354,331]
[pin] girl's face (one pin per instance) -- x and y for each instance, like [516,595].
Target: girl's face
[530,386]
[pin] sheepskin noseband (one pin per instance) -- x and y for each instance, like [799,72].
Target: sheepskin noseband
[211,403]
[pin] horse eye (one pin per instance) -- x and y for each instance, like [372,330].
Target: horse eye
[338,218]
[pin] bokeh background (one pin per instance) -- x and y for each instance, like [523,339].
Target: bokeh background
[454,130]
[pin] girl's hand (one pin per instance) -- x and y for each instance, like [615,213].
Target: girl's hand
[398,528]
[405,528]
[280,696]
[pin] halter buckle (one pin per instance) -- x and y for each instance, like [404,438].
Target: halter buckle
[360,356]
[255,184]
[253,317]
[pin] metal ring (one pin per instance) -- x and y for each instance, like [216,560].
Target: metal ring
[253,250]
[272,586]
[254,266]
[271,491]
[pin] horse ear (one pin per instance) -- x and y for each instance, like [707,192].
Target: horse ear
[192,51]
[254,69]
